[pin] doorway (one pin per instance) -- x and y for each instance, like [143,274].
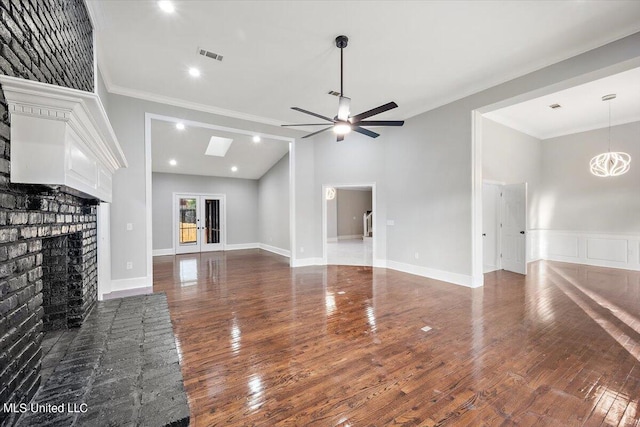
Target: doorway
[348,224]
[199,223]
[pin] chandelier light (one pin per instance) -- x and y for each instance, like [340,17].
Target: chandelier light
[610,163]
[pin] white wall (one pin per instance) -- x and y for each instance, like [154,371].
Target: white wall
[273,206]
[424,172]
[574,199]
[351,205]
[241,205]
[512,157]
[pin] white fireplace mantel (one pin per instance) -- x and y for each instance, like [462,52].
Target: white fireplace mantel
[61,136]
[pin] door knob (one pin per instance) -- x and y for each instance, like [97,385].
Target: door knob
[484,234]
[522,232]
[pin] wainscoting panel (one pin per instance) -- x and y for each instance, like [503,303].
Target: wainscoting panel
[599,249]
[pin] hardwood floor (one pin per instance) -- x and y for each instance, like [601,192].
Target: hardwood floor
[263,344]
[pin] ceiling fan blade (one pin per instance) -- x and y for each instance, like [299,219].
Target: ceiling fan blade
[306,124]
[381,123]
[320,131]
[340,138]
[365,132]
[373,112]
[312,114]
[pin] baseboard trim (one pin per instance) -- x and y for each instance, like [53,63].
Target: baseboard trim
[306,262]
[432,273]
[164,252]
[128,293]
[241,246]
[275,250]
[132,283]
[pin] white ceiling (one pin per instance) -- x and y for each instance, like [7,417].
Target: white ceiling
[187,148]
[582,108]
[279,54]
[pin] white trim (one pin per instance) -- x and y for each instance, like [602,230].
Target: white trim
[148,190]
[164,252]
[241,246]
[432,273]
[477,274]
[380,263]
[132,283]
[292,203]
[275,250]
[128,293]
[306,262]
[104,249]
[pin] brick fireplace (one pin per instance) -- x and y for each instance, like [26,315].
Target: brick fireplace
[48,229]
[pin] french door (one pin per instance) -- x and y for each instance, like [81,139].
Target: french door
[199,223]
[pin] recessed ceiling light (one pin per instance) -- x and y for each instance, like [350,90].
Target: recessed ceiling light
[166,6]
[194,72]
[180,126]
[173,162]
[256,138]
[234,169]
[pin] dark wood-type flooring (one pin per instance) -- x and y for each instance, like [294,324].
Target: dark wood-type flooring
[263,344]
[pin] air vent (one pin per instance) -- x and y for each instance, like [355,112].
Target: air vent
[554,106]
[334,93]
[209,54]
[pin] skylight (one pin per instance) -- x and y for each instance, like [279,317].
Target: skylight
[218,146]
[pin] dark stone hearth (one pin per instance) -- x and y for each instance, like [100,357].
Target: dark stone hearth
[122,363]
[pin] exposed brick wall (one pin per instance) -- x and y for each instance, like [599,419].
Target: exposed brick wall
[48,41]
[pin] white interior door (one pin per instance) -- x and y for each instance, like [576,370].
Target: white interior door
[514,226]
[199,223]
[490,226]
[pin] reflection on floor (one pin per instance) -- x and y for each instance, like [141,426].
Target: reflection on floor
[350,252]
[265,344]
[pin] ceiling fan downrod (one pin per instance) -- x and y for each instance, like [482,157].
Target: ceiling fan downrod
[341,42]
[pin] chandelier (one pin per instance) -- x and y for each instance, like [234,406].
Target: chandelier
[610,163]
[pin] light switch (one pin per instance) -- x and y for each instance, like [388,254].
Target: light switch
[129,226]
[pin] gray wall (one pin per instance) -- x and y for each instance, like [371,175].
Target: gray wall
[273,206]
[574,199]
[241,209]
[129,199]
[424,169]
[352,204]
[512,157]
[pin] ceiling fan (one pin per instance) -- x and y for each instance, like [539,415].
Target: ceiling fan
[344,123]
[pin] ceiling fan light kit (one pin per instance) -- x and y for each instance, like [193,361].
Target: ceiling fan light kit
[610,163]
[343,123]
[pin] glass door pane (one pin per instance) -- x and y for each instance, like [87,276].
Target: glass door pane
[212,221]
[188,221]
